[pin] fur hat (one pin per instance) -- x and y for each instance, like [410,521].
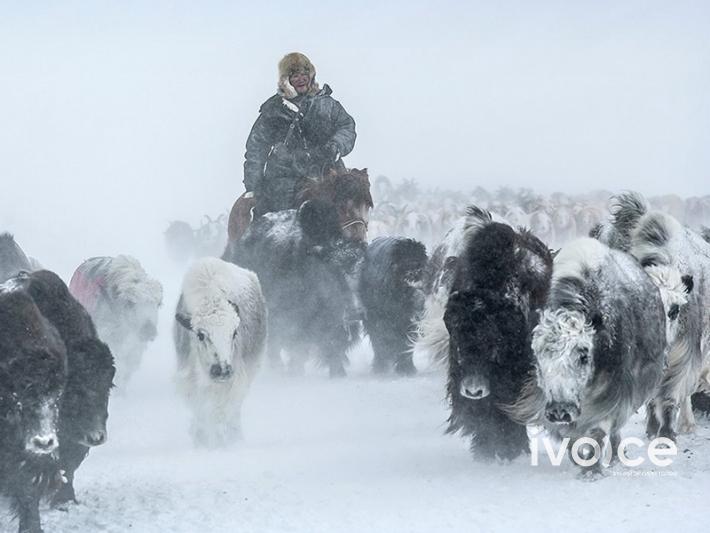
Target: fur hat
[290,64]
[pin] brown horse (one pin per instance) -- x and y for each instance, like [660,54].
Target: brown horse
[348,190]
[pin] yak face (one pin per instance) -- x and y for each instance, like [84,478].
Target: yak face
[137,299]
[563,344]
[84,407]
[30,391]
[215,327]
[487,344]
[674,289]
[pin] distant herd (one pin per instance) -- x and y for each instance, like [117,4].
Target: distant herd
[574,340]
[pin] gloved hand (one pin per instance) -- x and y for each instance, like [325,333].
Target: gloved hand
[331,151]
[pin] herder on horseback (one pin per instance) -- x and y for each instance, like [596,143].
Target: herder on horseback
[301,132]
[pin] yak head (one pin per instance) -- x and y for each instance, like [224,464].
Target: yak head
[563,344]
[674,289]
[30,391]
[488,345]
[84,407]
[214,325]
[135,297]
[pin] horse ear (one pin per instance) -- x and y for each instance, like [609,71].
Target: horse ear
[184,321]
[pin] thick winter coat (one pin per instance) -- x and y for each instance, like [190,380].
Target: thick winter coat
[309,272]
[501,282]
[392,296]
[32,379]
[293,139]
[220,338]
[83,410]
[600,346]
[123,302]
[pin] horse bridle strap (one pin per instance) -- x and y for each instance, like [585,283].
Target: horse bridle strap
[353,222]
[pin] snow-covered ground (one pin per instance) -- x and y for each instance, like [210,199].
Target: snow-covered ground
[358,455]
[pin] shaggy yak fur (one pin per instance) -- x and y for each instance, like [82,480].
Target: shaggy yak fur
[123,302]
[308,271]
[501,281]
[660,243]
[220,338]
[391,293]
[83,410]
[12,259]
[432,337]
[32,378]
[599,346]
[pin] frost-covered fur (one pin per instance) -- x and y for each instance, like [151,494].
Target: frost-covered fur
[599,346]
[309,272]
[432,336]
[220,338]
[32,378]
[123,302]
[12,259]
[391,293]
[660,240]
[501,282]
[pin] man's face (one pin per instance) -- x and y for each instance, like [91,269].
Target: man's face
[300,81]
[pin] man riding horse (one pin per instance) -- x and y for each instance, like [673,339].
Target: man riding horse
[301,132]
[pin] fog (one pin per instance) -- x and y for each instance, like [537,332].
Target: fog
[118,117]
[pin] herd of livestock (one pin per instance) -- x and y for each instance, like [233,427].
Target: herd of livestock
[565,312]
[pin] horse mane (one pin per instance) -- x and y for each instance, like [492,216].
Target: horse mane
[337,187]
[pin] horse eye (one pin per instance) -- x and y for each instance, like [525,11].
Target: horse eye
[674,311]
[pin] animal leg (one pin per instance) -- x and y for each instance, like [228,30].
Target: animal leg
[669,416]
[686,419]
[588,451]
[27,504]
[652,422]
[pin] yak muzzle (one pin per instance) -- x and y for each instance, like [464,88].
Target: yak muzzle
[561,413]
[474,388]
[95,438]
[42,444]
[221,372]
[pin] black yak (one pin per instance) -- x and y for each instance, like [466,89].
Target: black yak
[12,259]
[432,337]
[600,346]
[392,296]
[501,281]
[84,407]
[308,272]
[32,379]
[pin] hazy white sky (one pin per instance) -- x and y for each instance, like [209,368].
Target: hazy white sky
[127,114]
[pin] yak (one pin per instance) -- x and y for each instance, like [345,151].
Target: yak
[123,302]
[659,242]
[220,339]
[501,281]
[599,347]
[12,259]
[83,409]
[391,294]
[308,270]
[432,337]
[32,378]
